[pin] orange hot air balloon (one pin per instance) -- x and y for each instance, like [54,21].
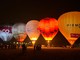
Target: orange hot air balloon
[19,31]
[48,28]
[32,31]
[69,26]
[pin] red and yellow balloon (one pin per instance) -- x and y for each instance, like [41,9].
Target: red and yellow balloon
[48,28]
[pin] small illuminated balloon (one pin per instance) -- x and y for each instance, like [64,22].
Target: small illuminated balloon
[48,28]
[19,31]
[32,31]
[6,32]
[69,26]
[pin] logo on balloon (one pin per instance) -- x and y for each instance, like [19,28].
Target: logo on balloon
[7,29]
[73,25]
[73,35]
[69,26]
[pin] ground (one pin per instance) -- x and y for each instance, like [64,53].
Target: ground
[44,54]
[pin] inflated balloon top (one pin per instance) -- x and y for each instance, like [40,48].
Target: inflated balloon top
[6,32]
[19,28]
[48,28]
[69,26]
[31,29]
[19,31]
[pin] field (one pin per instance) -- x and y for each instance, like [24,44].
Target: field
[44,54]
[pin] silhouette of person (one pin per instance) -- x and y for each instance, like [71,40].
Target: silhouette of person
[38,47]
[23,48]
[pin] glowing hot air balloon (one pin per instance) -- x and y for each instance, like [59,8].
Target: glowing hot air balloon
[48,28]
[32,31]
[69,25]
[6,32]
[19,31]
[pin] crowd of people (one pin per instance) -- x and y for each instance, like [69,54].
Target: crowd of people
[7,46]
[18,46]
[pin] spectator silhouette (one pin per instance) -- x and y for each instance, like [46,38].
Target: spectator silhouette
[24,48]
[37,47]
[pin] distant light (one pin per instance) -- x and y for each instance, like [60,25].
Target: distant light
[13,42]
[17,43]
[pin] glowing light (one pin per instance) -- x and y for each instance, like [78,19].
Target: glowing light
[17,43]
[48,38]
[33,38]
[13,42]
[33,42]
[69,26]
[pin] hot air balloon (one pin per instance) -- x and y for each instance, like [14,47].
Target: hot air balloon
[69,26]
[32,31]
[6,32]
[48,28]
[19,31]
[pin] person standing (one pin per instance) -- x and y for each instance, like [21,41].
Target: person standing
[24,48]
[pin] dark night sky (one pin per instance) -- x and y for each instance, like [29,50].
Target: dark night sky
[15,11]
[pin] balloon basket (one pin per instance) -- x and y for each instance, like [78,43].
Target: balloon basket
[71,46]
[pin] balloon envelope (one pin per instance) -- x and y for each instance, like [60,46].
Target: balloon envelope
[31,29]
[69,26]
[19,31]
[48,28]
[6,32]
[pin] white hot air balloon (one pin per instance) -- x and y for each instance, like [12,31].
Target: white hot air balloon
[19,31]
[6,32]
[32,31]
